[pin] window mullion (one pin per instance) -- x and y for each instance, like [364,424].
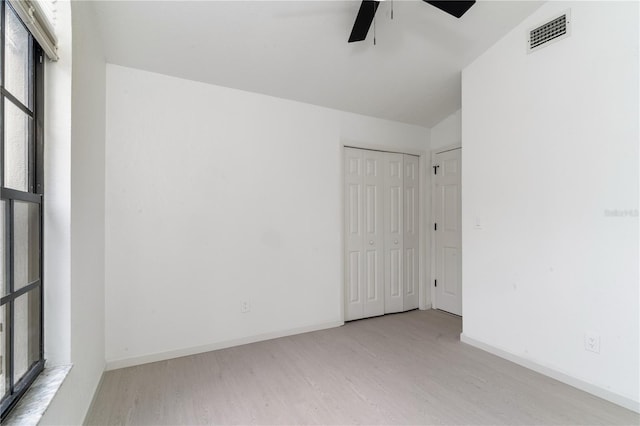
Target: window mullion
[15,101]
[15,194]
[32,124]
[9,253]
[38,120]
[8,319]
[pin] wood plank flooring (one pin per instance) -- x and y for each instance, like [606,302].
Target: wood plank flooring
[406,368]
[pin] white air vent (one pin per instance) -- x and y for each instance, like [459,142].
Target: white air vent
[554,30]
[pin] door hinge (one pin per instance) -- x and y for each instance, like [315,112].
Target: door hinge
[435,226]
[435,283]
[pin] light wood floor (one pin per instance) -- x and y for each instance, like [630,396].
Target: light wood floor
[406,368]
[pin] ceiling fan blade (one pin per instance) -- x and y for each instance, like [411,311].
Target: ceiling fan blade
[455,8]
[363,20]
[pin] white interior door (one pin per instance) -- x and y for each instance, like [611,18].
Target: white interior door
[364,236]
[393,233]
[448,290]
[411,239]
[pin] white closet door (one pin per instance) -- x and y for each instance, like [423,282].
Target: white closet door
[373,233]
[364,284]
[411,241]
[354,233]
[393,217]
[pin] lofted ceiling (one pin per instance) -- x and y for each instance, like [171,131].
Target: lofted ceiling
[298,49]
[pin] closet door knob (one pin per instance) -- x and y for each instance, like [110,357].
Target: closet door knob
[396,241]
[371,242]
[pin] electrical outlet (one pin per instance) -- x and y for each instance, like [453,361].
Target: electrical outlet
[592,342]
[245,307]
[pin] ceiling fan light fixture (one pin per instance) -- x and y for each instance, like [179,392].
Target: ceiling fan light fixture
[368,8]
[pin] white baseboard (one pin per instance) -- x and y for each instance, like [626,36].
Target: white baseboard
[161,356]
[555,374]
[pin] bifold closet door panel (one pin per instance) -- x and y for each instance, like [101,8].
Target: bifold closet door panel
[393,239]
[354,233]
[364,264]
[373,207]
[411,231]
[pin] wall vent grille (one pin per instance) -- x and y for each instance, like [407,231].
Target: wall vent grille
[554,30]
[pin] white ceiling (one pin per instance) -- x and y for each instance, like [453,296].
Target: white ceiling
[298,49]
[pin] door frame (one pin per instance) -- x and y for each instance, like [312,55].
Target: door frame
[425,236]
[432,215]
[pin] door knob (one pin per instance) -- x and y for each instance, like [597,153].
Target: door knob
[371,242]
[396,241]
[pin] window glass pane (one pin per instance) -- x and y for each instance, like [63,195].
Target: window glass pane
[17,130]
[26,332]
[3,351]
[16,70]
[26,243]
[3,283]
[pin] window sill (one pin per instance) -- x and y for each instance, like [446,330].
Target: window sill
[35,402]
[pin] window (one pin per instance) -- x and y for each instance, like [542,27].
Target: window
[21,192]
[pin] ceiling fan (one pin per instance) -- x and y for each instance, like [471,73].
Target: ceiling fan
[368,11]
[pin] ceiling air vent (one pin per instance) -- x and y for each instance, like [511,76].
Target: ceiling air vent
[554,30]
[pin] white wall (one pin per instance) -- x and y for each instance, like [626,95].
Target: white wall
[57,199]
[550,145]
[215,196]
[448,132]
[86,262]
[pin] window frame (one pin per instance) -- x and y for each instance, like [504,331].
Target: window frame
[16,389]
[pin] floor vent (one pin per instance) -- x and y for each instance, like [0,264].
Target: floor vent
[554,30]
